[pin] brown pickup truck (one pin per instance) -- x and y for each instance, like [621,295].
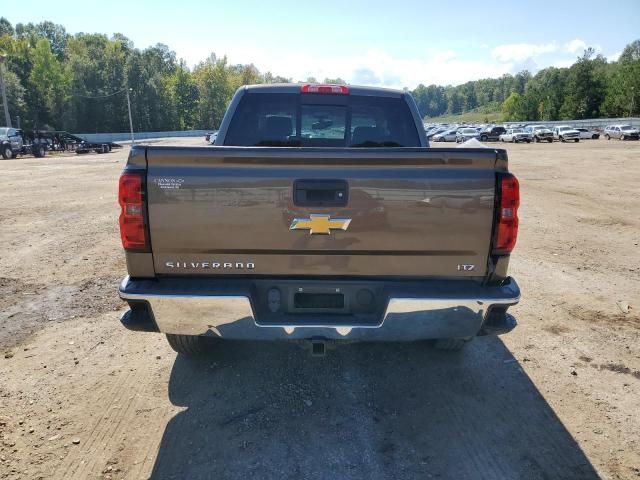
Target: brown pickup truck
[321,214]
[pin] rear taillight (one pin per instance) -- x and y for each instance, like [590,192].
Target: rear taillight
[507,221]
[132,228]
[315,88]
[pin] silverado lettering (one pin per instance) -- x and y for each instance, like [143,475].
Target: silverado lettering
[213,265]
[323,187]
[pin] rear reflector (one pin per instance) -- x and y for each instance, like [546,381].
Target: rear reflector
[507,224]
[132,230]
[315,88]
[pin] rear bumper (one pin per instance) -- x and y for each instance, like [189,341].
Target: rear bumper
[412,310]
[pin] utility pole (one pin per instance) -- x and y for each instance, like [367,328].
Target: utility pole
[7,118]
[133,140]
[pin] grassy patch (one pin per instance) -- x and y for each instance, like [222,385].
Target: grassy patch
[467,117]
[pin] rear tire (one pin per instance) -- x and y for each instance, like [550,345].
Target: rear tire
[451,344]
[576,140]
[483,138]
[7,153]
[189,345]
[39,151]
[550,140]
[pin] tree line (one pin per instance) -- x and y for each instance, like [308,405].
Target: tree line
[78,83]
[590,88]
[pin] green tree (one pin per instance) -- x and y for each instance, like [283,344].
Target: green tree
[6,28]
[623,85]
[512,107]
[216,88]
[15,97]
[455,102]
[185,97]
[585,88]
[48,81]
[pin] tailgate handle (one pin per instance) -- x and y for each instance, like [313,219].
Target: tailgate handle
[320,193]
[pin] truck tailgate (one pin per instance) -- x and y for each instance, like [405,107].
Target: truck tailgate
[413,212]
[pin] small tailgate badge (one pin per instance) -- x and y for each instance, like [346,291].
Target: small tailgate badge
[319,224]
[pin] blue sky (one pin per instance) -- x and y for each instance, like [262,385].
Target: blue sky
[395,44]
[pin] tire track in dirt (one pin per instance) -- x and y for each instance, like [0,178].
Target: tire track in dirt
[24,307]
[89,443]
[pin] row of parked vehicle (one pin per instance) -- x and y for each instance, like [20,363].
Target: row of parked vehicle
[210,137]
[525,133]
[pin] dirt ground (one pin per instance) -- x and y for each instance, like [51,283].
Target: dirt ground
[559,397]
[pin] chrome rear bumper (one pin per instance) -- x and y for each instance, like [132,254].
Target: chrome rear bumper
[224,308]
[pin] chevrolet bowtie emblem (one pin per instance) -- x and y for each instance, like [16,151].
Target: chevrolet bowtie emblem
[320,224]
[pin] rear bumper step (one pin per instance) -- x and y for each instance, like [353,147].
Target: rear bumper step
[237,309]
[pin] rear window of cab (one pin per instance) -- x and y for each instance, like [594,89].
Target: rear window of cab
[295,120]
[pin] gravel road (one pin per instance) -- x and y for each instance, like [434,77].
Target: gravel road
[81,398]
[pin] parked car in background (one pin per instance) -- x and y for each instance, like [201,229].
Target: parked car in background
[566,133]
[492,134]
[446,136]
[10,142]
[539,133]
[465,134]
[587,134]
[623,132]
[515,135]
[435,131]
[210,137]
[14,142]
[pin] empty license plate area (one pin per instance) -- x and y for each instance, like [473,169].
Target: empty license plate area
[331,301]
[327,303]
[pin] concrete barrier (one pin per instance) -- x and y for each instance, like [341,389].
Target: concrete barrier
[592,123]
[598,123]
[124,136]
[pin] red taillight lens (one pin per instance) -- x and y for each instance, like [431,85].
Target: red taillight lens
[132,228]
[315,88]
[507,224]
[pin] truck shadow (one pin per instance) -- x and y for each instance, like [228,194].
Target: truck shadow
[269,410]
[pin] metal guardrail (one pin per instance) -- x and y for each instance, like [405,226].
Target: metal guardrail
[124,136]
[598,123]
[594,123]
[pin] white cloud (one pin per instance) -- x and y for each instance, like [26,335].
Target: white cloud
[372,67]
[614,57]
[519,52]
[379,67]
[563,62]
[575,46]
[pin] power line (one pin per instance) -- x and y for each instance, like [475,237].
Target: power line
[104,96]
